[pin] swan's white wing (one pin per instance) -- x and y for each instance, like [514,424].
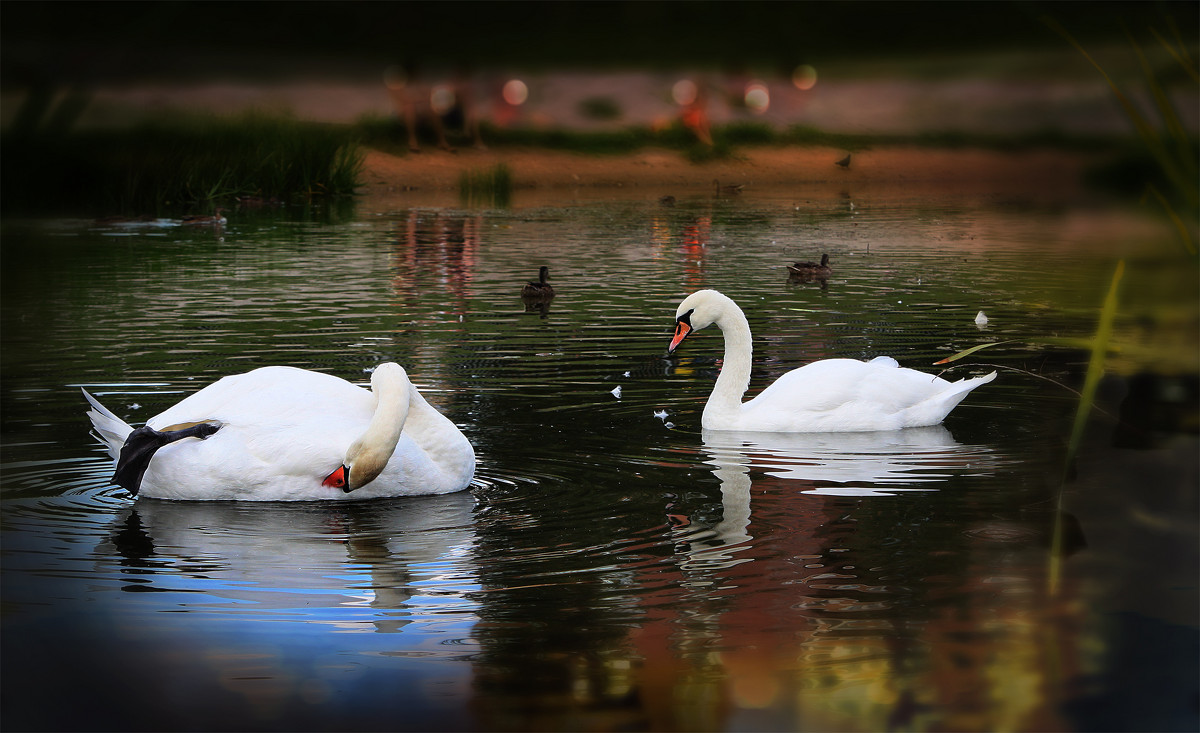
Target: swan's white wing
[268,395]
[850,395]
[282,430]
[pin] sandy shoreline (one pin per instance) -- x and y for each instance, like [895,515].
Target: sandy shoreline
[652,173]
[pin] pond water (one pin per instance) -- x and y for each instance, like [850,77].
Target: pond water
[613,567]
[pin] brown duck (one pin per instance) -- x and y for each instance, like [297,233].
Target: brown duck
[540,290]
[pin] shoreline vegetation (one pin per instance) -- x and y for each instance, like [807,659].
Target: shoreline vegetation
[195,163]
[176,163]
[180,163]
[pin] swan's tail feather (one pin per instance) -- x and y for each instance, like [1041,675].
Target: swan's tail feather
[107,427]
[973,382]
[949,399]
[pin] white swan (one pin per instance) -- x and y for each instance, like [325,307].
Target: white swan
[832,395]
[286,434]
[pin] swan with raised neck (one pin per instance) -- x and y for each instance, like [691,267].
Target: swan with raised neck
[830,395]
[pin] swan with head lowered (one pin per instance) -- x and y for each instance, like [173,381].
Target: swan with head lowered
[831,395]
[285,434]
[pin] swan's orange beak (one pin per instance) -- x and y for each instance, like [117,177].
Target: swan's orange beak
[682,329]
[339,479]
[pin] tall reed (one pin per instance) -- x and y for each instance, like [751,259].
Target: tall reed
[1098,347]
[1173,150]
[1087,398]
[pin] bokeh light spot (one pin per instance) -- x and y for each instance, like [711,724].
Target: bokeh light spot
[804,77]
[758,97]
[442,99]
[515,92]
[684,92]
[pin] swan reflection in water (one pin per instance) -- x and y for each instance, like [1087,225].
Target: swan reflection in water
[866,464]
[322,560]
[877,463]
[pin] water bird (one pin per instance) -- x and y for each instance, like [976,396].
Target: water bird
[831,395]
[217,219]
[811,270]
[667,200]
[729,189]
[540,290]
[279,433]
[844,162]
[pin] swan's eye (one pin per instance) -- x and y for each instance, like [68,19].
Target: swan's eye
[337,479]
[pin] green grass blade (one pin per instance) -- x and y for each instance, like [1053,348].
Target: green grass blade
[1181,229]
[1095,368]
[972,350]
[1087,397]
[1180,54]
[1131,111]
[1180,167]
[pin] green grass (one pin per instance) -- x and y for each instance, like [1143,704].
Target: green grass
[490,187]
[176,163]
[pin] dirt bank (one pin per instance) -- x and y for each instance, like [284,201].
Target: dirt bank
[653,173]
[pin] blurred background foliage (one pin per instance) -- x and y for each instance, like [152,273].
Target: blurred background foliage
[53,55]
[183,40]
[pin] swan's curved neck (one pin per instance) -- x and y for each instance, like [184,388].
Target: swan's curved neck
[726,397]
[387,423]
[369,454]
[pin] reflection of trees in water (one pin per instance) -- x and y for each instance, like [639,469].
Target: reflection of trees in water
[555,611]
[849,609]
[752,600]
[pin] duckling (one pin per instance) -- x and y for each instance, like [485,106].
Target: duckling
[540,290]
[844,162]
[217,219]
[811,270]
[729,189]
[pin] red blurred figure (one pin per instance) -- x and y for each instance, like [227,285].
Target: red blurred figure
[694,114]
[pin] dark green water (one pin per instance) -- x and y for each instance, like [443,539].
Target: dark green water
[612,567]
